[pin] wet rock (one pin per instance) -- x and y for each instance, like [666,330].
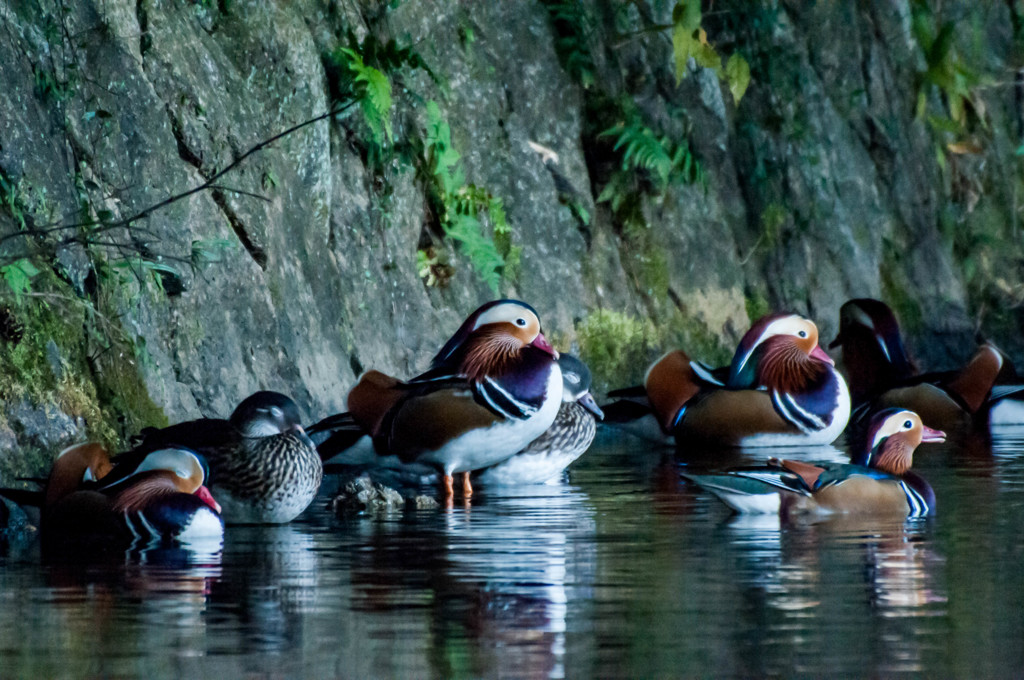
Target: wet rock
[423,502]
[364,495]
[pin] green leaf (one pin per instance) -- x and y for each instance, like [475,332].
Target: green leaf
[737,74]
[18,276]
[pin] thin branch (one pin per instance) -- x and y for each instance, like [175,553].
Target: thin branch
[221,187]
[210,183]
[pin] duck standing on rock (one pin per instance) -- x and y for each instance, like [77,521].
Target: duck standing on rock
[568,438]
[881,482]
[162,497]
[263,467]
[781,389]
[493,388]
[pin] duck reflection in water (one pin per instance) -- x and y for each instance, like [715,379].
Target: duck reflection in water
[801,571]
[494,580]
[274,576]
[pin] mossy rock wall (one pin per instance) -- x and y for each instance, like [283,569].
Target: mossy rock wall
[300,269]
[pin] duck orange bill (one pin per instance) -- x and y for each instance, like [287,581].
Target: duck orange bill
[587,402]
[205,496]
[540,342]
[819,353]
[930,435]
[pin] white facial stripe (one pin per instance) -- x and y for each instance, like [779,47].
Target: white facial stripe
[892,425]
[180,462]
[787,325]
[506,312]
[861,317]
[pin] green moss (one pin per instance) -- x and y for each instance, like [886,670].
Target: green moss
[69,355]
[696,339]
[894,291]
[757,305]
[617,347]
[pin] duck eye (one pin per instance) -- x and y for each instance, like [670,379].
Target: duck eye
[276,412]
[521,322]
[907,424]
[802,334]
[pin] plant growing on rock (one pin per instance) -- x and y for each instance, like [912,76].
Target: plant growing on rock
[460,206]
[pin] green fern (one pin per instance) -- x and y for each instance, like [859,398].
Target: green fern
[459,206]
[642,149]
[572,26]
[363,70]
[373,90]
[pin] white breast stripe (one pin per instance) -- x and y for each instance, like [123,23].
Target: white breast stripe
[783,410]
[494,407]
[813,419]
[525,409]
[131,527]
[917,503]
[149,527]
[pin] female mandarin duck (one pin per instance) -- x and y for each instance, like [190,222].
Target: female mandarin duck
[493,388]
[263,467]
[162,497]
[881,484]
[568,438]
[781,389]
[881,374]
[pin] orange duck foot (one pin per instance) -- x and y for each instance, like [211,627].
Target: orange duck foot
[467,486]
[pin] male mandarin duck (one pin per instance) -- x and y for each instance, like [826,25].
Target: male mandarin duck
[882,375]
[568,438]
[881,484]
[160,497]
[493,388]
[781,389]
[263,467]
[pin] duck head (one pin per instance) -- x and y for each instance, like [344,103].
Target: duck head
[265,414]
[873,350]
[74,465]
[513,317]
[576,380]
[893,435]
[491,337]
[173,469]
[781,352]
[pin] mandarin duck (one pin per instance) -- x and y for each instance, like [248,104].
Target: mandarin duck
[493,388]
[263,467]
[881,484]
[160,497]
[882,375]
[780,389]
[568,438]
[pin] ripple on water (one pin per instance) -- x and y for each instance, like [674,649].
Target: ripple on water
[625,571]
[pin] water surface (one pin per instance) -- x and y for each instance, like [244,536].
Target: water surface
[623,571]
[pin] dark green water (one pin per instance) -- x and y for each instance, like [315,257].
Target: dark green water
[623,572]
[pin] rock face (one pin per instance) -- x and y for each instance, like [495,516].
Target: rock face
[299,268]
